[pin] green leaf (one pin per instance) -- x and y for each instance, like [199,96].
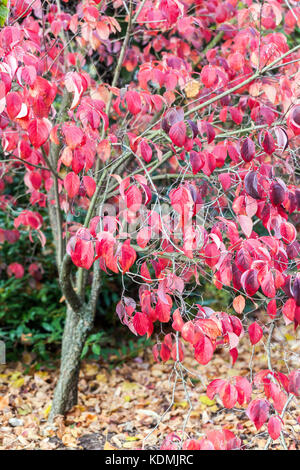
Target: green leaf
[3,14]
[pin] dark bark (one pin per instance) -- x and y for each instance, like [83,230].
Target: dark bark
[75,334]
[79,322]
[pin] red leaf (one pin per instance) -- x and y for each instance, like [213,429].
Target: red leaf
[225,180]
[248,150]
[274,427]
[13,104]
[289,309]
[89,184]
[163,310]
[268,143]
[196,161]
[177,133]
[244,389]
[258,412]
[208,76]
[294,382]
[81,249]
[38,131]
[127,257]
[133,198]
[214,387]
[255,333]
[204,350]
[73,135]
[134,102]
[228,395]
[72,184]
[249,282]
[15,269]
[177,320]
[267,285]
[141,323]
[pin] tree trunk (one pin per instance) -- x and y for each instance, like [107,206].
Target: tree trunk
[75,334]
[79,323]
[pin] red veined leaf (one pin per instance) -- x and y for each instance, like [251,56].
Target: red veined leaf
[244,389]
[81,249]
[38,131]
[288,232]
[188,332]
[133,198]
[250,282]
[89,184]
[289,309]
[293,120]
[274,427]
[13,104]
[258,412]
[277,194]
[248,150]
[294,382]
[214,387]
[225,180]
[163,310]
[146,151]
[255,333]
[272,308]
[267,284]
[72,184]
[127,257]
[134,102]
[208,76]
[73,135]
[141,323]
[209,327]
[165,352]
[204,350]
[251,185]
[178,322]
[196,161]
[228,395]
[268,143]
[177,133]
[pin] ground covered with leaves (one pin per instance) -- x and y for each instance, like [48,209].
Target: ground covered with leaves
[135,405]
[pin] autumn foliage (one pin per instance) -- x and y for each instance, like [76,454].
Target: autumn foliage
[162,140]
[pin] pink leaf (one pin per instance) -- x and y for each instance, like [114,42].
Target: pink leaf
[255,333]
[258,412]
[274,427]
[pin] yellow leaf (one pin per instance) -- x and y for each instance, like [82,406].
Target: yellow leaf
[127,398]
[18,383]
[101,378]
[289,337]
[192,89]
[47,411]
[206,401]
[108,446]
[132,438]
[91,369]
[181,404]
[127,386]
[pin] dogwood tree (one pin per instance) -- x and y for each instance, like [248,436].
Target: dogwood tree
[161,139]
